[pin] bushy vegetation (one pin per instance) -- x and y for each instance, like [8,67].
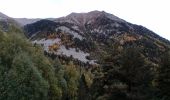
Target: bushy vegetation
[26,74]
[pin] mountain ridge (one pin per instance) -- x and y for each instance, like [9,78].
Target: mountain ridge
[95,33]
[80,16]
[25,21]
[84,18]
[3,16]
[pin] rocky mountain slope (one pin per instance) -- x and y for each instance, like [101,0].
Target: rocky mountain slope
[89,37]
[9,25]
[3,16]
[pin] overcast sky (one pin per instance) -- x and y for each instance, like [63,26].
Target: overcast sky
[153,14]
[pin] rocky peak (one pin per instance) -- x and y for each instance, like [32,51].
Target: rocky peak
[82,18]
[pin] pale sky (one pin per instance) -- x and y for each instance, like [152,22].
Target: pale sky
[153,14]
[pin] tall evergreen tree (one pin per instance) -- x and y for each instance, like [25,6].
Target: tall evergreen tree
[136,73]
[164,77]
[83,91]
[25,73]
[23,81]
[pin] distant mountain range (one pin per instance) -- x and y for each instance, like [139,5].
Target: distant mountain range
[25,21]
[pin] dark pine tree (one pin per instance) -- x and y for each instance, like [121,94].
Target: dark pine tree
[136,74]
[164,77]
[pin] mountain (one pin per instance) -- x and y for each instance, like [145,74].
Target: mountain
[82,56]
[20,21]
[90,37]
[9,25]
[3,16]
[25,21]
[83,18]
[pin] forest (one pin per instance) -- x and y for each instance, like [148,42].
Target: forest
[27,74]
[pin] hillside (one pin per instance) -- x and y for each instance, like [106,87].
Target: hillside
[125,59]
[9,25]
[95,35]
[27,74]
[82,56]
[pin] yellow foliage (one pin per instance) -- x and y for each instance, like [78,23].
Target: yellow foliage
[54,47]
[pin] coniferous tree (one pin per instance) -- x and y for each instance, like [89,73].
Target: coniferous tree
[25,73]
[24,81]
[83,89]
[164,77]
[136,73]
